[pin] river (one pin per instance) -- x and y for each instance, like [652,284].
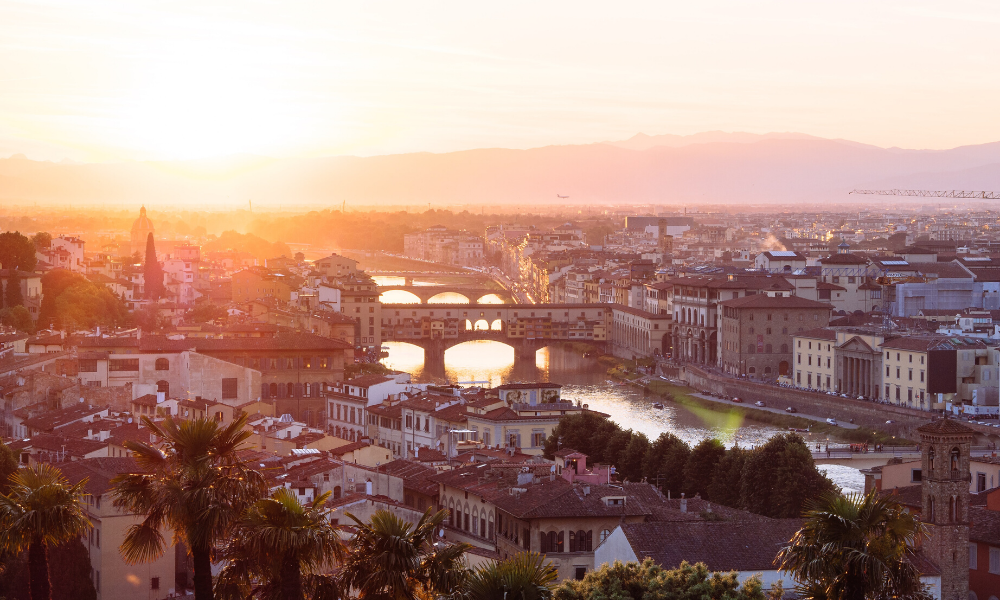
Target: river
[584,379]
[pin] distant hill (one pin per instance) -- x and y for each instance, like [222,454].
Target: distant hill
[709,167]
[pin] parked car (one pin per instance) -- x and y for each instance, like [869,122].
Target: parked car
[738,400]
[759,403]
[832,421]
[889,422]
[791,409]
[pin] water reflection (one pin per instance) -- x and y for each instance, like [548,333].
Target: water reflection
[583,379]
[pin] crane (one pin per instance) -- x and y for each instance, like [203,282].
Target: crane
[933,193]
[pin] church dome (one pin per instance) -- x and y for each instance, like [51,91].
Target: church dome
[141,229]
[142,223]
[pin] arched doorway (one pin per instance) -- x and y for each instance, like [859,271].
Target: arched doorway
[783,368]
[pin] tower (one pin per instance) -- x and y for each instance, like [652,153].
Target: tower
[945,449]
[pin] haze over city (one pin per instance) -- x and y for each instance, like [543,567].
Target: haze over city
[524,301]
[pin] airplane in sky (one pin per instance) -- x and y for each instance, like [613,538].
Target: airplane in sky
[558,196]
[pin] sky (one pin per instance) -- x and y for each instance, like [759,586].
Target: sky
[138,80]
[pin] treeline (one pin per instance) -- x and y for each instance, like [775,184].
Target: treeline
[776,479]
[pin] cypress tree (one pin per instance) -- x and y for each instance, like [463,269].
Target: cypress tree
[12,295]
[152,273]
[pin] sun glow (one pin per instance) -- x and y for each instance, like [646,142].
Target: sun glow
[199,101]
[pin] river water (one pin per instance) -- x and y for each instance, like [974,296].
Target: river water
[491,364]
[584,379]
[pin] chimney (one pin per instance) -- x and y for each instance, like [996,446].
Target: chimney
[586,490]
[684,503]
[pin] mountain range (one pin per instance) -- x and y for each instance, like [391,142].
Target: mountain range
[710,167]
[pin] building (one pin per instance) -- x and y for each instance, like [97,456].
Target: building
[113,577]
[756,332]
[933,372]
[637,333]
[842,360]
[141,228]
[440,245]
[359,300]
[252,283]
[747,547]
[945,452]
[336,266]
[73,246]
[695,302]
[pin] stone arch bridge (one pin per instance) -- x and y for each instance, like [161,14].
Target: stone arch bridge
[426,292]
[525,327]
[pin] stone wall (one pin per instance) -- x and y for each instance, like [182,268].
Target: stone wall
[865,414]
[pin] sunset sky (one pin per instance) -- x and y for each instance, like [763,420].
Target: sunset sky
[99,81]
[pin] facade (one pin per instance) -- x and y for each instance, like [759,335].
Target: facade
[945,452]
[842,360]
[756,332]
[695,302]
[336,266]
[256,282]
[933,372]
[441,245]
[636,332]
[74,247]
[114,578]
[359,300]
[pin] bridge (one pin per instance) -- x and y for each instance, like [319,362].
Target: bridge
[426,292]
[525,327]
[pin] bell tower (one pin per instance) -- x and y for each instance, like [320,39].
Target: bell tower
[945,450]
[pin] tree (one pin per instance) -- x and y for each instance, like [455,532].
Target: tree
[390,559]
[524,577]
[278,550]
[17,252]
[648,580]
[664,463]
[724,487]
[585,432]
[855,547]
[42,509]
[8,466]
[74,581]
[780,477]
[630,463]
[41,240]
[18,317]
[204,312]
[86,305]
[54,283]
[152,272]
[700,466]
[197,485]
[12,294]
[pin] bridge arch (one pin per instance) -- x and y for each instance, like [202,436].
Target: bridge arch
[399,297]
[437,298]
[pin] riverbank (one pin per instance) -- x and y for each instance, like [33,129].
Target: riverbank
[629,372]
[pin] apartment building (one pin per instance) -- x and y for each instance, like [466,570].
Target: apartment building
[756,332]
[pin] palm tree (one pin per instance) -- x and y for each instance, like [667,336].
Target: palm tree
[42,509]
[197,485]
[278,549]
[390,559]
[855,547]
[524,577]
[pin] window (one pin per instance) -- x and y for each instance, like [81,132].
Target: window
[229,388]
[163,386]
[916,475]
[973,556]
[123,364]
[604,535]
[154,583]
[162,364]
[995,561]
[580,573]
[88,365]
[980,482]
